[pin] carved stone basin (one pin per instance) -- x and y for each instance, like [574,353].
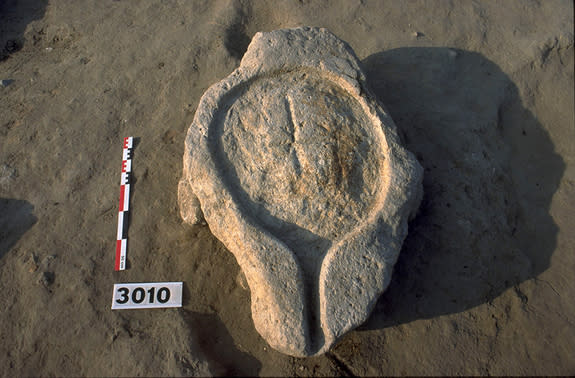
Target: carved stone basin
[299,172]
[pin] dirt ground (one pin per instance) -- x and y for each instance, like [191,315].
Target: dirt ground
[481,91]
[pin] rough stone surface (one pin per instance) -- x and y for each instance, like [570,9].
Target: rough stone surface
[300,173]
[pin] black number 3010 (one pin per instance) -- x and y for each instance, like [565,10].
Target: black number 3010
[139,295]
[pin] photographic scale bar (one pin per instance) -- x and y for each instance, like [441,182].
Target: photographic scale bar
[122,237]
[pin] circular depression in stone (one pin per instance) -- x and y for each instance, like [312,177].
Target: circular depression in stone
[301,155]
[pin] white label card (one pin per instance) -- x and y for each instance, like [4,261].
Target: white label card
[147,295]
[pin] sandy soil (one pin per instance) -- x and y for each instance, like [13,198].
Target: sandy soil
[482,92]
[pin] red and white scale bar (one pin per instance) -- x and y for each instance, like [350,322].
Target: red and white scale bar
[122,239]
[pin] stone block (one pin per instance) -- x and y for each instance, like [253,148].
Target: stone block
[300,172]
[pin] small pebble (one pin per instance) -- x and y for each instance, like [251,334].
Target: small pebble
[47,261]
[12,46]
[6,82]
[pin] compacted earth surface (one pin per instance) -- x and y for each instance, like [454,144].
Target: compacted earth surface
[481,92]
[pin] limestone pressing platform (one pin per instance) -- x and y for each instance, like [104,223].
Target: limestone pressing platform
[300,173]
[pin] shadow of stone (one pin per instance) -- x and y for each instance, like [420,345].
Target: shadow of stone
[484,223]
[16,217]
[236,39]
[218,346]
[15,15]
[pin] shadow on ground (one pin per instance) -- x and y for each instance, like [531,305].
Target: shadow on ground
[15,15]
[490,174]
[16,217]
[215,342]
